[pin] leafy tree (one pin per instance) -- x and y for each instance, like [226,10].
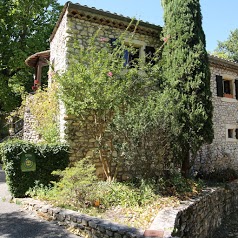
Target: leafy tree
[229,48]
[25,27]
[187,96]
[98,84]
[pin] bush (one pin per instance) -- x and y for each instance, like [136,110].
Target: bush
[125,194]
[221,175]
[49,157]
[76,184]
[79,188]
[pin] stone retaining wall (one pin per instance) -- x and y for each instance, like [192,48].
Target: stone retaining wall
[84,225]
[196,218]
[204,215]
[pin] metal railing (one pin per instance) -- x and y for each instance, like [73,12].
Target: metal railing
[14,130]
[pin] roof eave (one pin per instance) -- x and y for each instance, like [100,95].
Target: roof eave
[69,5]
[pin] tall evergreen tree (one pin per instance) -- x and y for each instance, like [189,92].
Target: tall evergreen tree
[188,106]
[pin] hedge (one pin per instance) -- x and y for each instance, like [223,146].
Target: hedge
[48,157]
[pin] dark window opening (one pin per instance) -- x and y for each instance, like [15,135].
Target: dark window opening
[132,58]
[230,133]
[149,54]
[227,87]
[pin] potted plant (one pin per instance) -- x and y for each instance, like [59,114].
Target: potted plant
[227,95]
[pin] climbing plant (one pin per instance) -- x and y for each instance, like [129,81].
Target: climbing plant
[44,106]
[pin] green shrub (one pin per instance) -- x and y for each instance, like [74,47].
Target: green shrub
[221,175]
[124,194]
[49,157]
[76,184]
[79,188]
[40,191]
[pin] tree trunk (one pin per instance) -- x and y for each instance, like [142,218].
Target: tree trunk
[185,164]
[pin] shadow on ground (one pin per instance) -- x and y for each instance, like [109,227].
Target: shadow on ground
[2,175]
[14,225]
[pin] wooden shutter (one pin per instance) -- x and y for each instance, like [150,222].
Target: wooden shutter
[219,81]
[112,42]
[236,88]
[236,133]
[126,53]
[126,57]
[149,54]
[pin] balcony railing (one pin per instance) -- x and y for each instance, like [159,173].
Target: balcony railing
[14,130]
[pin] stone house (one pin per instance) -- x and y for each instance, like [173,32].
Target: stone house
[80,23]
[223,152]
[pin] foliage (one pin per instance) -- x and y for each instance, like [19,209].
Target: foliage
[221,175]
[98,83]
[25,27]
[132,203]
[76,184]
[229,48]
[141,136]
[49,157]
[177,185]
[44,106]
[186,75]
[78,188]
[39,191]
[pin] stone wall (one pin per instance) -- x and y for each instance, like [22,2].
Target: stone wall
[84,225]
[196,218]
[58,49]
[223,152]
[83,143]
[29,132]
[204,215]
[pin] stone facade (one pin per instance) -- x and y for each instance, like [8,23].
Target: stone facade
[28,129]
[223,152]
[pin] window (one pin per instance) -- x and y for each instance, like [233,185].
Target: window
[232,133]
[131,58]
[149,54]
[139,51]
[227,87]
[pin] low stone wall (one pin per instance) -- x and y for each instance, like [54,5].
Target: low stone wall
[203,215]
[196,218]
[83,225]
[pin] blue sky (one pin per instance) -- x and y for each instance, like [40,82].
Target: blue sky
[219,16]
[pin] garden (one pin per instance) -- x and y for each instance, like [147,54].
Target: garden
[149,117]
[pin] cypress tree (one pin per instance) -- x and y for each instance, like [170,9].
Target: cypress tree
[188,106]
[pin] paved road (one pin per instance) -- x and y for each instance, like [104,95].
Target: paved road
[15,223]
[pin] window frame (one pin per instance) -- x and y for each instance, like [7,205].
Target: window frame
[233,128]
[221,87]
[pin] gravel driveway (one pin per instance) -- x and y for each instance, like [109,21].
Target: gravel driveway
[16,223]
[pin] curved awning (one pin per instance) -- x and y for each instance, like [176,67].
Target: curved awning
[32,60]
